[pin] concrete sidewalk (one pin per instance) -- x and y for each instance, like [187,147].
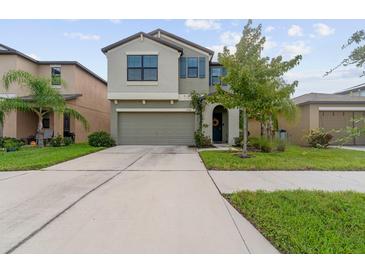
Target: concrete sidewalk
[232,181]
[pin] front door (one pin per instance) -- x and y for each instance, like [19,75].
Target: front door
[217,127]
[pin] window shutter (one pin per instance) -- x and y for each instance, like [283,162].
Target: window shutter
[182,67]
[201,67]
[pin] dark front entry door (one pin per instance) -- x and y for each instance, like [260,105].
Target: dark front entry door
[217,127]
[66,125]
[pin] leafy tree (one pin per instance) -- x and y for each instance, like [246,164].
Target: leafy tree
[357,55]
[45,99]
[255,83]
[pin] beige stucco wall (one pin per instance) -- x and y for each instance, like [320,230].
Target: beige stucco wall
[68,75]
[187,85]
[14,62]
[7,62]
[93,105]
[167,68]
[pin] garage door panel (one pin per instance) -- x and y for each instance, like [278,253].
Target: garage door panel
[156,128]
[334,121]
[361,124]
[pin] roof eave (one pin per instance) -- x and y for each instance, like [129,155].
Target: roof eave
[183,40]
[137,35]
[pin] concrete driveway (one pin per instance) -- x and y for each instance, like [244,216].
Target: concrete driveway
[126,199]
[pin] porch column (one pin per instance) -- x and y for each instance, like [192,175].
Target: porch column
[57,124]
[233,125]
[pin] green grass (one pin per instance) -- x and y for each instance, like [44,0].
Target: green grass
[29,158]
[306,221]
[294,158]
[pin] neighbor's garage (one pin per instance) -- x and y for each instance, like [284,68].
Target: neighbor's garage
[335,120]
[156,128]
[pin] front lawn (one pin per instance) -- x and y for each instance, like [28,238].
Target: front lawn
[306,221]
[294,158]
[28,158]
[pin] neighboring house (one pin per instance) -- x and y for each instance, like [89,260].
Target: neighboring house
[150,79]
[329,111]
[358,90]
[85,91]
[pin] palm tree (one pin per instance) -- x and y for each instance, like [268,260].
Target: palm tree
[45,99]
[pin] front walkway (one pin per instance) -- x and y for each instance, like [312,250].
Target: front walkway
[232,181]
[126,199]
[358,148]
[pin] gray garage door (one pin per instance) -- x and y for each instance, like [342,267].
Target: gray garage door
[330,120]
[168,128]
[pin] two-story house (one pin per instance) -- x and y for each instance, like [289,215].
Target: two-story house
[150,79]
[84,91]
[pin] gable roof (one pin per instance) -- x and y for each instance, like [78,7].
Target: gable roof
[5,50]
[137,35]
[325,98]
[182,40]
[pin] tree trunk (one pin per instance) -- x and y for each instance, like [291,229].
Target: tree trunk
[40,132]
[244,148]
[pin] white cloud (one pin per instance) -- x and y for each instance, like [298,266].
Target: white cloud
[323,29]
[292,49]
[269,29]
[82,36]
[269,43]
[34,56]
[230,38]
[201,24]
[219,48]
[313,80]
[295,30]
[115,21]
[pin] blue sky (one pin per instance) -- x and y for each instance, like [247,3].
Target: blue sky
[319,41]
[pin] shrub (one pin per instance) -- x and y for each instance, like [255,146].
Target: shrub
[319,138]
[101,139]
[201,140]
[265,145]
[16,142]
[262,144]
[12,144]
[280,146]
[56,141]
[68,141]
[254,142]
[238,141]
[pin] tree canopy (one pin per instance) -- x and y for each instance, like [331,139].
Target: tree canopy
[255,82]
[357,55]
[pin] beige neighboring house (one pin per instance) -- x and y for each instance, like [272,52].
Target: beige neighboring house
[150,80]
[328,111]
[85,91]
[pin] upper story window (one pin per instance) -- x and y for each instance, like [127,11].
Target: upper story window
[56,76]
[215,75]
[142,67]
[192,67]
